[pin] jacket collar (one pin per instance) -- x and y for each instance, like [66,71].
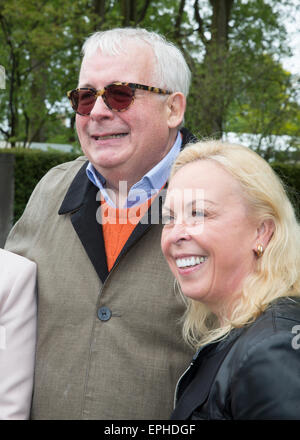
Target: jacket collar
[214,347]
[76,193]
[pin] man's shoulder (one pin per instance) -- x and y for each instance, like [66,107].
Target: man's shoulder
[69,167]
[55,183]
[63,174]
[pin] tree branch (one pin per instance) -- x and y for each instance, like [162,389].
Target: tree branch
[6,133]
[177,33]
[199,20]
[144,11]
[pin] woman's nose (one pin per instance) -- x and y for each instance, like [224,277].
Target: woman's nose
[179,233]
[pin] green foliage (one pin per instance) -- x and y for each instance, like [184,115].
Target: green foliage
[30,167]
[239,85]
[290,176]
[233,48]
[268,106]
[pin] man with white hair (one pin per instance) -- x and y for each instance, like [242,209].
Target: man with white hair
[109,339]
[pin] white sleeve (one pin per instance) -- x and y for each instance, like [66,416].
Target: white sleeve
[17,336]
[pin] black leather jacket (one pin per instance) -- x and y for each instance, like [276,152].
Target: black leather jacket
[253,374]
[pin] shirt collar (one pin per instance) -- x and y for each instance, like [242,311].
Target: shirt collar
[150,183]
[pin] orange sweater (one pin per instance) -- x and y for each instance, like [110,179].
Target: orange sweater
[117,226]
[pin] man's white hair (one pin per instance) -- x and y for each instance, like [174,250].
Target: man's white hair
[171,69]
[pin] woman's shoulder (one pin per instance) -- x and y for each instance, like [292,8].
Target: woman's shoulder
[275,329]
[285,309]
[278,316]
[264,369]
[13,262]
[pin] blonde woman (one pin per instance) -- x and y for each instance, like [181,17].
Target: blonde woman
[231,239]
[17,335]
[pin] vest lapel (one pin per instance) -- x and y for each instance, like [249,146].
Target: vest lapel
[82,205]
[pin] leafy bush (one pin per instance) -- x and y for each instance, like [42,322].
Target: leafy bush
[30,167]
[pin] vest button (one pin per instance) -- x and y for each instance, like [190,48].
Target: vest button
[104,313]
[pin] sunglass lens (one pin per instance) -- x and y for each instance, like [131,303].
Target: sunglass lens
[83,101]
[118,97]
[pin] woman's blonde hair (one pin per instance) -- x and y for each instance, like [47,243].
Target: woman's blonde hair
[277,270]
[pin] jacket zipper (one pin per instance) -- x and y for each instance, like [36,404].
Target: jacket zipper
[177,384]
[184,373]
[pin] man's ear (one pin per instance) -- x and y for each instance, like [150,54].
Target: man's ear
[264,233]
[176,108]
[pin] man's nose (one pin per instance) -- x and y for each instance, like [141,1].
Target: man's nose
[100,110]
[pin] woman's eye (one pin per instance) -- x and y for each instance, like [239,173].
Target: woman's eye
[167,218]
[198,213]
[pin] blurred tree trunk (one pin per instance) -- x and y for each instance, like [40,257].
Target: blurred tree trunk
[10,135]
[211,83]
[178,22]
[129,12]
[37,110]
[132,13]
[99,10]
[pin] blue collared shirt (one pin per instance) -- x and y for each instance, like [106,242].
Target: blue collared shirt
[149,185]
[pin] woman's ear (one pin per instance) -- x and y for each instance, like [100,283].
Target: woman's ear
[264,234]
[176,108]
